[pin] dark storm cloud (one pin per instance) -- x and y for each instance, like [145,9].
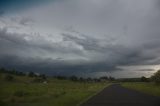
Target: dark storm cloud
[104,35]
[14,38]
[12,55]
[88,43]
[14,46]
[132,56]
[15,43]
[52,67]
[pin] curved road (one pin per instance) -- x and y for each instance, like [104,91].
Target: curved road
[116,95]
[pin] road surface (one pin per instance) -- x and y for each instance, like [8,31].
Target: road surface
[116,95]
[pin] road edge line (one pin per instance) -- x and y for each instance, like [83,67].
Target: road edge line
[85,100]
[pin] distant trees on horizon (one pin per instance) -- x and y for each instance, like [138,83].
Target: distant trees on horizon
[13,71]
[41,77]
[88,79]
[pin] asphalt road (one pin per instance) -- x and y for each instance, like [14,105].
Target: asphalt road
[116,95]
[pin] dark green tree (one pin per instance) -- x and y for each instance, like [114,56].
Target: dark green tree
[104,78]
[111,78]
[61,77]
[31,74]
[3,70]
[144,79]
[73,78]
[156,77]
[43,76]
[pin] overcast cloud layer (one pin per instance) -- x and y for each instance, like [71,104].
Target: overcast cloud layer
[83,37]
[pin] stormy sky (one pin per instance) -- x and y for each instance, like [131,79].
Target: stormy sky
[94,38]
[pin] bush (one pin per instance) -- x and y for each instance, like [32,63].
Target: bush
[31,74]
[104,78]
[43,76]
[73,78]
[111,78]
[20,93]
[156,77]
[2,103]
[89,79]
[3,70]
[9,78]
[61,77]
[144,79]
[38,80]
[14,72]
[81,79]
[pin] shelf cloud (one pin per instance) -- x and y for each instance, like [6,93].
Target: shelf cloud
[81,37]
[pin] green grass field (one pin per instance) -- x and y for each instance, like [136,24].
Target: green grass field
[149,88]
[23,92]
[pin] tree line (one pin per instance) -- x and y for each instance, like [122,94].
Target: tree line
[88,79]
[42,77]
[9,75]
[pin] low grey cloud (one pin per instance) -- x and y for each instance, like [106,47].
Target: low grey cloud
[146,70]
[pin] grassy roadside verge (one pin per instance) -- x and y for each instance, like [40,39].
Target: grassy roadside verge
[148,88]
[22,92]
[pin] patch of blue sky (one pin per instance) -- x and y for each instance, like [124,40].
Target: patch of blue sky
[11,6]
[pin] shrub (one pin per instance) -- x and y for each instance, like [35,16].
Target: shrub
[89,79]
[144,79]
[61,77]
[73,78]
[3,70]
[81,79]
[43,76]
[31,74]
[9,78]
[63,93]
[104,78]
[111,78]
[38,80]
[2,103]
[20,93]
